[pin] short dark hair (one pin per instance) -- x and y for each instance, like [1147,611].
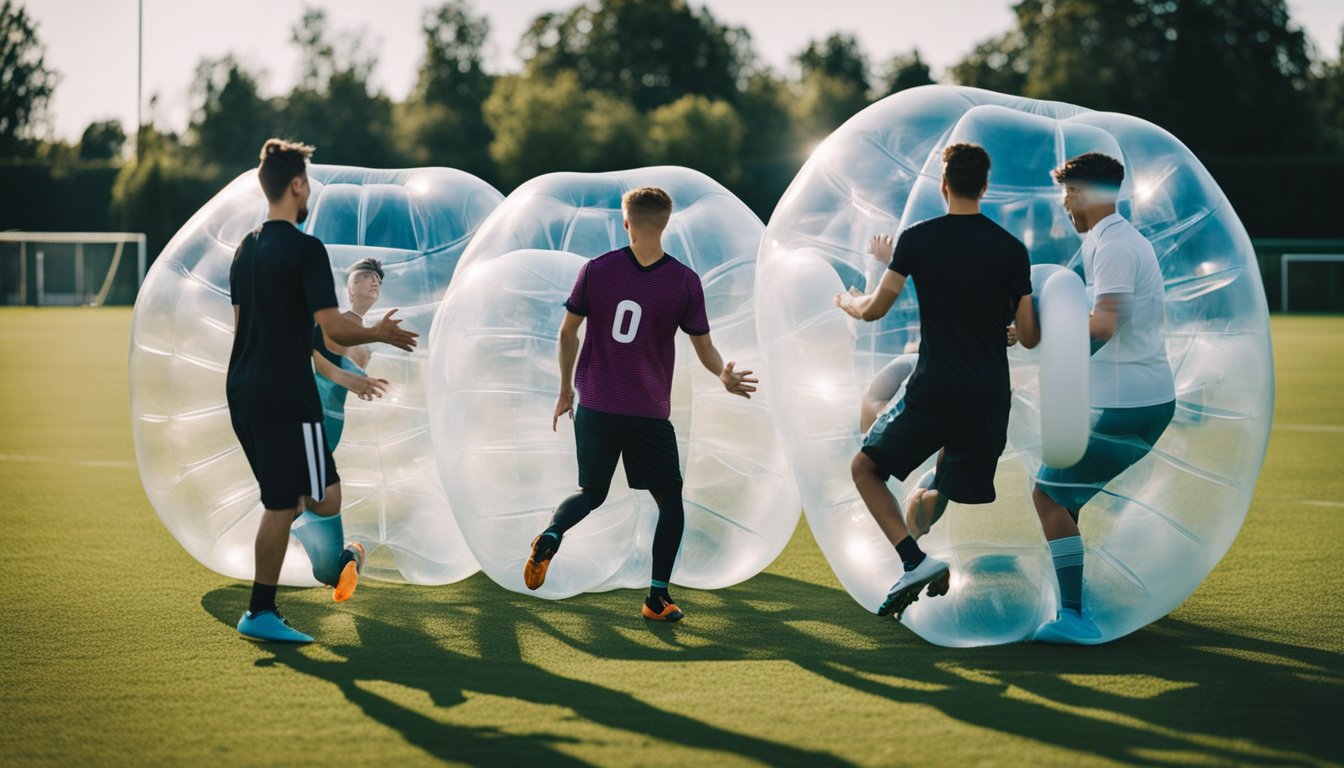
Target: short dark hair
[1092,168]
[366,265]
[966,168]
[281,162]
[647,205]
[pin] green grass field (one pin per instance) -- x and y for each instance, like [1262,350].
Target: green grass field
[118,648]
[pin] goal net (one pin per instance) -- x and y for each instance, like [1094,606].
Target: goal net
[71,268]
[1311,282]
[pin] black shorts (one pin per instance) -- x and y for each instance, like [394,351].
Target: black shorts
[648,447]
[289,459]
[903,438]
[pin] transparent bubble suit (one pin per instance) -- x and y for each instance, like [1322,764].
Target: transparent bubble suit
[1156,531]
[494,378]
[417,222]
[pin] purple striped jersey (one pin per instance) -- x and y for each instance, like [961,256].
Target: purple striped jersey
[633,313]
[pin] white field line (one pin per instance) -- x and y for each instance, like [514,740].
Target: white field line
[74,462]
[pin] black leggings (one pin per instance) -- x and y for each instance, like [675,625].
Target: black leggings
[666,537]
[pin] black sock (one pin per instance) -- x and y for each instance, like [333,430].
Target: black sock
[667,534]
[263,598]
[658,591]
[911,554]
[549,544]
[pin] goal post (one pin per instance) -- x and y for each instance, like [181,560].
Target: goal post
[1300,258]
[71,268]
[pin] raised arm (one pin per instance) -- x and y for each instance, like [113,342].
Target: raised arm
[738,383]
[348,332]
[568,350]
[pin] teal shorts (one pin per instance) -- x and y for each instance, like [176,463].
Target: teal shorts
[1120,437]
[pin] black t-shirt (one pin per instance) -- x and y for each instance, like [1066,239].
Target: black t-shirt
[969,274]
[279,278]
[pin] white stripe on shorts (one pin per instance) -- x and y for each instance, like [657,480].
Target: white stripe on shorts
[321,451]
[314,490]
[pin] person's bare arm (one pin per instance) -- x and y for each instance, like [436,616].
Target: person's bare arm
[348,333]
[1027,328]
[875,305]
[568,351]
[367,387]
[738,383]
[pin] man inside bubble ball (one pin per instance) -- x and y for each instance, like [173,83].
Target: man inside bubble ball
[1133,396]
[280,283]
[972,276]
[339,369]
[634,300]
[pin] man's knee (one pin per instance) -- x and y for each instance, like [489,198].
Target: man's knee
[330,503]
[595,495]
[862,468]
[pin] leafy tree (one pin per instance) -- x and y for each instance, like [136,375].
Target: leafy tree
[544,124]
[161,190]
[833,87]
[1226,76]
[442,122]
[647,52]
[102,140]
[698,133]
[905,71]
[1329,88]
[333,107]
[231,120]
[26,84]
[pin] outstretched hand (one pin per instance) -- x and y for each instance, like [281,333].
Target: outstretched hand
[847,304]
[368,387]
[389,331]
[738,383]
[882,248]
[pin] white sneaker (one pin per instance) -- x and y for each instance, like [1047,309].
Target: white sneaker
[931,572]
[1069,628]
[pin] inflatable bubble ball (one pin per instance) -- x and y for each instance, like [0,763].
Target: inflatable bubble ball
[1157,530]
[417,222]
[494,378]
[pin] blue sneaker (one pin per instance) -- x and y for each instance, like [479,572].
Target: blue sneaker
[1069,628]
[270,626]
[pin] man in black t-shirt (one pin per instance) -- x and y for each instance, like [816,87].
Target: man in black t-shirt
[971,276]
[280,282]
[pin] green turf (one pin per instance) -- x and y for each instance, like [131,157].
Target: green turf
[117,648]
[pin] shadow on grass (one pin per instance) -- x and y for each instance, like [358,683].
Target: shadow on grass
[1171,694]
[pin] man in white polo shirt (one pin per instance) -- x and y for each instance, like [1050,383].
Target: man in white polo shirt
[1133,396]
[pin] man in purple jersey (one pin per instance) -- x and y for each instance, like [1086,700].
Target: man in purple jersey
[636,298]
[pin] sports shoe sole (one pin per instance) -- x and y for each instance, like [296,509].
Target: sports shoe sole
[670,613]
[938,585]
[345,585]
[534,572]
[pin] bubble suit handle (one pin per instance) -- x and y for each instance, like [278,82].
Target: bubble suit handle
[1065,419]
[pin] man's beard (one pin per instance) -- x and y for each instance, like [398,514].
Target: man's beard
[303,215]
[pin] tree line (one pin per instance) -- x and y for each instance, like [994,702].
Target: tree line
[613,84]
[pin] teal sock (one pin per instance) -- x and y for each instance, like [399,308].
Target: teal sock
[1068,556]
[323,538]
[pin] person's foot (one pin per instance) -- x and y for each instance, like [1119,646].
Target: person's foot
[1069,628]
[345,585]
[658,609]
[543,549]
[931,572]
[270,626]
[918,515]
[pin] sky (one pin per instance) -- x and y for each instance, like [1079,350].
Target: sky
[92,43]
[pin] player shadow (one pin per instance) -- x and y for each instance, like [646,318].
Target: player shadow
[404,653]
[1169,694]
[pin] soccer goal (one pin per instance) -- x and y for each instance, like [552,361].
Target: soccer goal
[71,268]
[1323,290]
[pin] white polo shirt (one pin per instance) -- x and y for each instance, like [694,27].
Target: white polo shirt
[1131,370]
